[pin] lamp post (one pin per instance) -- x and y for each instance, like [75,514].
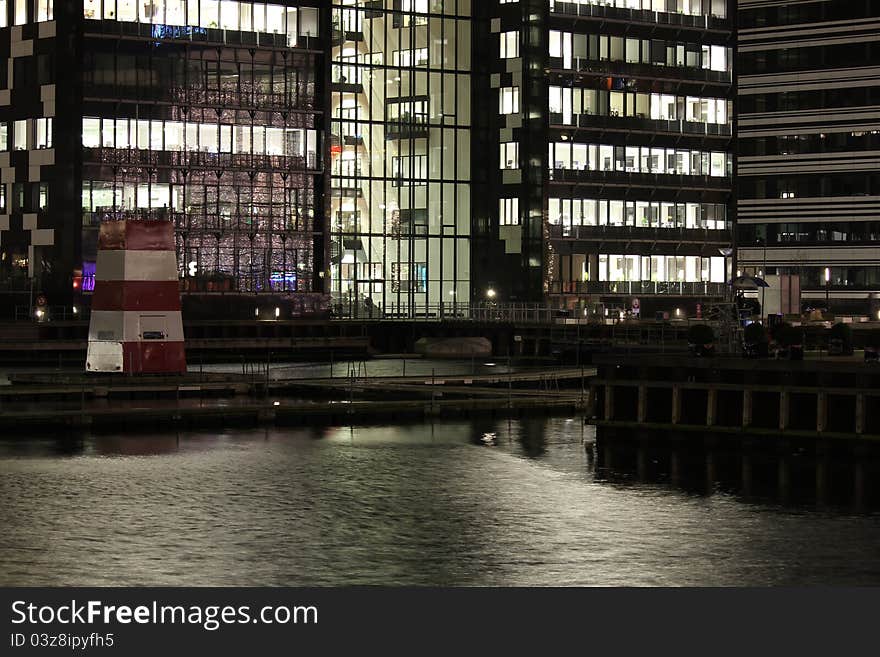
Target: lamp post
[828,290]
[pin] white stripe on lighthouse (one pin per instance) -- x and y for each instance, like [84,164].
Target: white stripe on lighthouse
[130,326]
[136,266]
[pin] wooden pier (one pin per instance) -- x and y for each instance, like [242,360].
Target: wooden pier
[120,404]
[798,400]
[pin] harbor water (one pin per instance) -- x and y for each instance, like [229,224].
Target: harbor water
[494,502]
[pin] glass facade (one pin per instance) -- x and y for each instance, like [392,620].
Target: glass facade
[401,159]
[640,159]
[224,140]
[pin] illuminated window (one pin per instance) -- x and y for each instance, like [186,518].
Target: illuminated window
[45,10]
[510,155]
[20,12]
[43,133]
[19,136]
[508,100]
[509,45]
[508,212]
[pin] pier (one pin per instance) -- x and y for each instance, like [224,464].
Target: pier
[783,399]
[108,403]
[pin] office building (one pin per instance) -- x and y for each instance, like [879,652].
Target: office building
[207,113]
[809,149]
[390,158]
[613,124]
[400,211]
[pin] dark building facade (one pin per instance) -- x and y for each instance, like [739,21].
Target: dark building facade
[209,114]
[614,128]
[809,148]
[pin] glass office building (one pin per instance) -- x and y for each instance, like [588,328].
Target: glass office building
[390,158]
[400,210]
[207,113]
[614,131]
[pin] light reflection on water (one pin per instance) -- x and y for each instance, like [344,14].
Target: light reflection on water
[472,503]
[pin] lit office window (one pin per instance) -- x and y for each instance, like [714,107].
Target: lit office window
[508,212]
[44,133]
[510,155]
[19,135]
[20,12]
[508,100]
[509,45]
[45,10]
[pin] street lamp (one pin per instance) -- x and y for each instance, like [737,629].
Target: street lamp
[490,293]
[828,290]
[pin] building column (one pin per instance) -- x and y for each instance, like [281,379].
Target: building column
[593,266]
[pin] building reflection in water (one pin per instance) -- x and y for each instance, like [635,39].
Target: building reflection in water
[821,475]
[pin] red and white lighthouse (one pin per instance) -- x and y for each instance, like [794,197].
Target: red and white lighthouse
[136,325]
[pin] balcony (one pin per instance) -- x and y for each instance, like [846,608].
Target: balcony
[639,288]
[196,97]
[679,74]
[342,85]
[202,160]
[648,234]
[407,127]
[632,124]
[196,221]
[651,19]
[190,34]
[627,179]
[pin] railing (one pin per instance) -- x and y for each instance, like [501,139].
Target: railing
[51,314]
[200,159]
[451,311]
[194,222]
[631,123]
[641,233]
[639,15]
[640,288]
[586,176]
[189,96]
[483,312]
[683,74]
[201,34]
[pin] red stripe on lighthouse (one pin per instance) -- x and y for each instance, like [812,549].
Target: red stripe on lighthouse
[153,357]
[149,235]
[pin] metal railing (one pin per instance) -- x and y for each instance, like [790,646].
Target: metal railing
[634,123]
[50,314]
[679,73]
[675,234]
[584,10]
[638,288]
[677,180]
[200,159]
[218,35]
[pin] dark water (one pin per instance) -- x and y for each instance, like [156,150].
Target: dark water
[492,503]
